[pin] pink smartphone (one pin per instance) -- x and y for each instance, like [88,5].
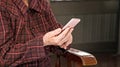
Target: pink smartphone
[72,23]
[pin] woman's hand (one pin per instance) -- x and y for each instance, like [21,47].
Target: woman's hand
[58,37]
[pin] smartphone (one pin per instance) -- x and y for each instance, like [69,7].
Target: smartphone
[72,23]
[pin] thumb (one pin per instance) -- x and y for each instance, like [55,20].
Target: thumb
[54,32]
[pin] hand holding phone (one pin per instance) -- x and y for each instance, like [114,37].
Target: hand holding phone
[72,23]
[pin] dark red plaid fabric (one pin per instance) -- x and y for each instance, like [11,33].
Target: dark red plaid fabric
[21,32]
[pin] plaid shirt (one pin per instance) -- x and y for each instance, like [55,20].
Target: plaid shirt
[21,33]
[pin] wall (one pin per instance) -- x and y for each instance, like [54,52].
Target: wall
[97,30]
[119,27]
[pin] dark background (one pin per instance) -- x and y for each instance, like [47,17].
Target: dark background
[99,30]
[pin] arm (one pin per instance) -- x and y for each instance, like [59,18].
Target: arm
[53,25]
[12,53]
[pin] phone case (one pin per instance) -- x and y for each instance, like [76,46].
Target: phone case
[72,23]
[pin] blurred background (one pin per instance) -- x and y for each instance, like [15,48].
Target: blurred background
[99,29]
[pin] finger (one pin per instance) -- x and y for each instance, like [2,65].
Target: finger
[54,32]
[64,33]
[69,41]
[63,46]
[66,44]
[66,38]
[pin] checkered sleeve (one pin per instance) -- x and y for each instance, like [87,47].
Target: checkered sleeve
[53,25]
[11,53]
